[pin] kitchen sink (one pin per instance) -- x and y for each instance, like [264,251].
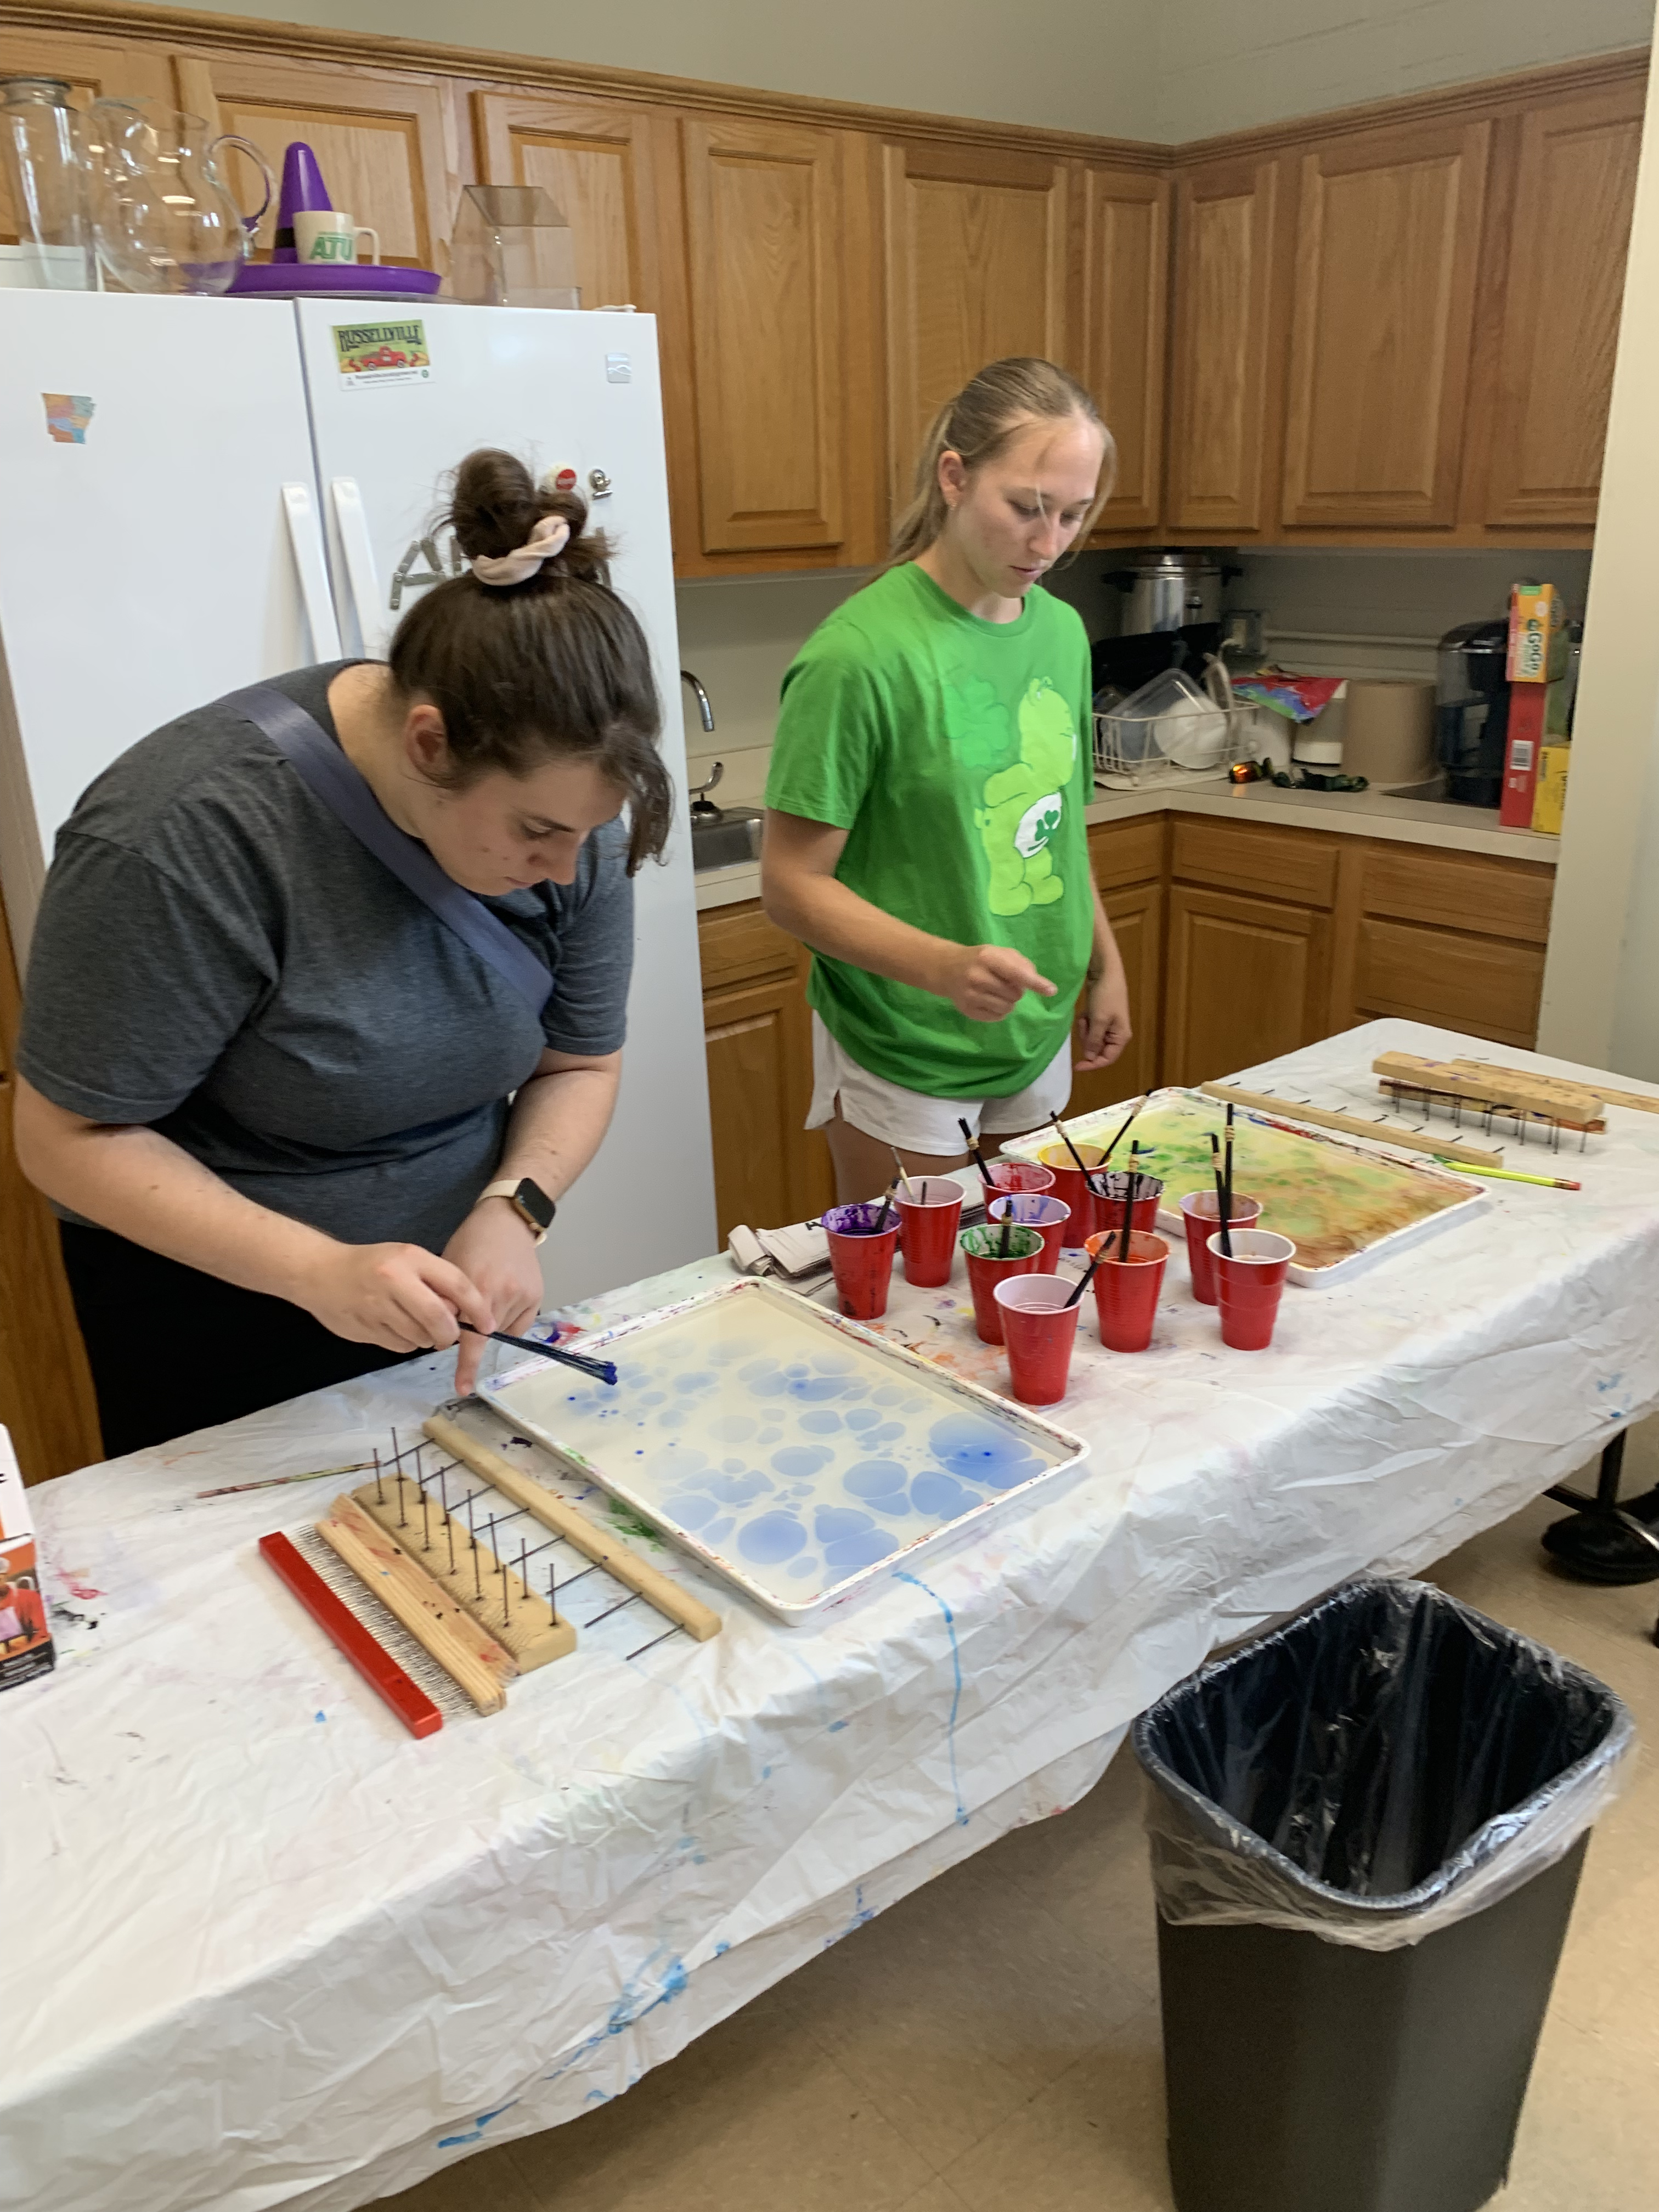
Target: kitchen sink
[725,837]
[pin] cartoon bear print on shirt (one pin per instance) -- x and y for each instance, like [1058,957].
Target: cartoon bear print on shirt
[1023,804]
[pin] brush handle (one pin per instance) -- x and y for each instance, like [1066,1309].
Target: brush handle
[350,1638]
[600,1369]
[1077,1157]
[658,1589]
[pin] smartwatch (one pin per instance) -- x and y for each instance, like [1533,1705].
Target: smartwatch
[529,1201]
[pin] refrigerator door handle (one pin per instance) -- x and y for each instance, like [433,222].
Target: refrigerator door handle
[351,519]
[305,538]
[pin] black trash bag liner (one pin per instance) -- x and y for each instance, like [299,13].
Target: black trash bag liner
[1381,1766]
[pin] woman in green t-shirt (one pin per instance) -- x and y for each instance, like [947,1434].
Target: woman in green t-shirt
[925,832]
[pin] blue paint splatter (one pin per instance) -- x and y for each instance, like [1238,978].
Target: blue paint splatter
[319,1717]
[899,1575]
[471,2135]
[823,1424]
[941,1497]
[977,1451]
[861,1551]
[832,1522]
[772,1538]
[875,1479]
[798,1460]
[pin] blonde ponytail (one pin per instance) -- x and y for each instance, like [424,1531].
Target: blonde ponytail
[989,410]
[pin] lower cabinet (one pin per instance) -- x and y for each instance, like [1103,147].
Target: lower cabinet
[769,1170]
[1127,862]
[1249,979]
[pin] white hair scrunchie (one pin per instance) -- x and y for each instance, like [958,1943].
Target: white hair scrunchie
[546,542]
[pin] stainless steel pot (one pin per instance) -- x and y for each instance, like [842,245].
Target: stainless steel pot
[1170,591]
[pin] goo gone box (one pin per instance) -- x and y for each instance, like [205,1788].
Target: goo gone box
[25,1637]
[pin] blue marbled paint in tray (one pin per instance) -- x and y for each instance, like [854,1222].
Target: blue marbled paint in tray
[796,1454]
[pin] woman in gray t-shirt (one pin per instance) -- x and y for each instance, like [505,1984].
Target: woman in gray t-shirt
[295,1125]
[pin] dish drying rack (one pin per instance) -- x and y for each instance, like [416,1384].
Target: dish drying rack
[1119,770]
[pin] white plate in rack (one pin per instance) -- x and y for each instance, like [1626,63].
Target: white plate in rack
[794,1452]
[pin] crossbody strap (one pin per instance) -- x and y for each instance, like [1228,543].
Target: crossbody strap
[325,769]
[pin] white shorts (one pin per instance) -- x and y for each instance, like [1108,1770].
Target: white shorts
[916,1123]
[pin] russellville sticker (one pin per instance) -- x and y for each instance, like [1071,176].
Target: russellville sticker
[372,353]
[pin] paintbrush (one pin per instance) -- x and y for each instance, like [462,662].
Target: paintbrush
[975,1153]
[600,1369]
[1122,1133]
[275,1481]
[886,1208]
[1131,1178]
[1077,1156]
[1230,1164]
[908,1191]
[1223,1195]
[1087,1276]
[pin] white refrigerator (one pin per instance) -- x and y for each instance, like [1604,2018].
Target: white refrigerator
[197,493]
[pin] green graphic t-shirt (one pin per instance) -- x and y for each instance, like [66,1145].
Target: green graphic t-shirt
[953,752]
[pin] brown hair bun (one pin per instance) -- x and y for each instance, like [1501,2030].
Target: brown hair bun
[494,505]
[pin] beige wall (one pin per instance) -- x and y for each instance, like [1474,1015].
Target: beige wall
[1602,982]
[1131,69]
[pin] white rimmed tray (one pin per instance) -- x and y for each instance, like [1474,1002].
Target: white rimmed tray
[1373,1184]
[796,1454]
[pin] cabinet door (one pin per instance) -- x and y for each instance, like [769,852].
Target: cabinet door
[754,1050]
[1388,247]
[1126,272]
[1575,190]
[1247,979]
[975,254]
[45,1390]
[764,214]
[92,67]
[381,140]
[1222,393]
[1481,984]
[598,164]
[1137,919]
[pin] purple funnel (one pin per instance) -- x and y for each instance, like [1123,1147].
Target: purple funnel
[302,187]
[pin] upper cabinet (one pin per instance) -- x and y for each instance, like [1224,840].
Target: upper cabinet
[977,262]
[381,137]
[765,222]
[1224,382]
[599,163]
[1126,276]
[1564,248]
[1387,248]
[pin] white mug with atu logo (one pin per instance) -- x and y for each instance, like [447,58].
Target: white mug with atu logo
[327,235]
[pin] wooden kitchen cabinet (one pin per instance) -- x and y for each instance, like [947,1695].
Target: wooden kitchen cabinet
[1126,861]
[1387,248]
[782,338]
[1226,379]
[976,252]
[1456,939]
[769,1170]
[1126,277]
[46,1387]
[1248,980]
[382,137]
[1564,241]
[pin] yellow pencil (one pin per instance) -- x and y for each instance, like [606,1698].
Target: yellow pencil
[1508,1174]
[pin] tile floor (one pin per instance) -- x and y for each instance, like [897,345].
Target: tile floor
[991,2045]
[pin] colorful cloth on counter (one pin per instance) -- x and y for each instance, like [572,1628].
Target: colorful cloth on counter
[949,749]
[1298,698]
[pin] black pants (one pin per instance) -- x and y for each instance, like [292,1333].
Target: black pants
[173,1349]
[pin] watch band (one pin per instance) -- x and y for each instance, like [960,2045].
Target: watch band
[509,1191]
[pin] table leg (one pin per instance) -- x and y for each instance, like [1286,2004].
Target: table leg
[1600,1541]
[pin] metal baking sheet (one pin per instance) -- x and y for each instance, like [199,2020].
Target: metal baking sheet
[798,1455]
[1344,1205]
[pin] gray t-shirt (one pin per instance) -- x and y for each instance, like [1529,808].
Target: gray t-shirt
[217,957]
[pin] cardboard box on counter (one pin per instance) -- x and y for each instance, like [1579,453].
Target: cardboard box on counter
[25,1633]
[1549,800]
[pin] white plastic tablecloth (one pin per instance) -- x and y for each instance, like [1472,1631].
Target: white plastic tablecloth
[259,1948]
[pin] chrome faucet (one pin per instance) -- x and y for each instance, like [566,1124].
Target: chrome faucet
[703,707]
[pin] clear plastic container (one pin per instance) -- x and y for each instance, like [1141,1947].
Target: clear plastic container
[43,166]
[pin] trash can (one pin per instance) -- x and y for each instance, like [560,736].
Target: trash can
[1366,1830]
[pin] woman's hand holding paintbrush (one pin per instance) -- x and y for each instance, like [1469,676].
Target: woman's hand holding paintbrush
[600,1369]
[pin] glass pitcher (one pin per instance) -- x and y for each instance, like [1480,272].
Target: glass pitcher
[43,167]
[164,216]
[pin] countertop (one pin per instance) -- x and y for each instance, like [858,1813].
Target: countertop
[1349,813]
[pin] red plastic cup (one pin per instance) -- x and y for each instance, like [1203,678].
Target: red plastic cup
[1108,1202]
[1200,1210]
[861,1257]
[1126,1291]
[1041,1211]
[928,1229]
[1039,1330]
[1010,1177]
[1070,1187]
[983,1250]
[1249,1285]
